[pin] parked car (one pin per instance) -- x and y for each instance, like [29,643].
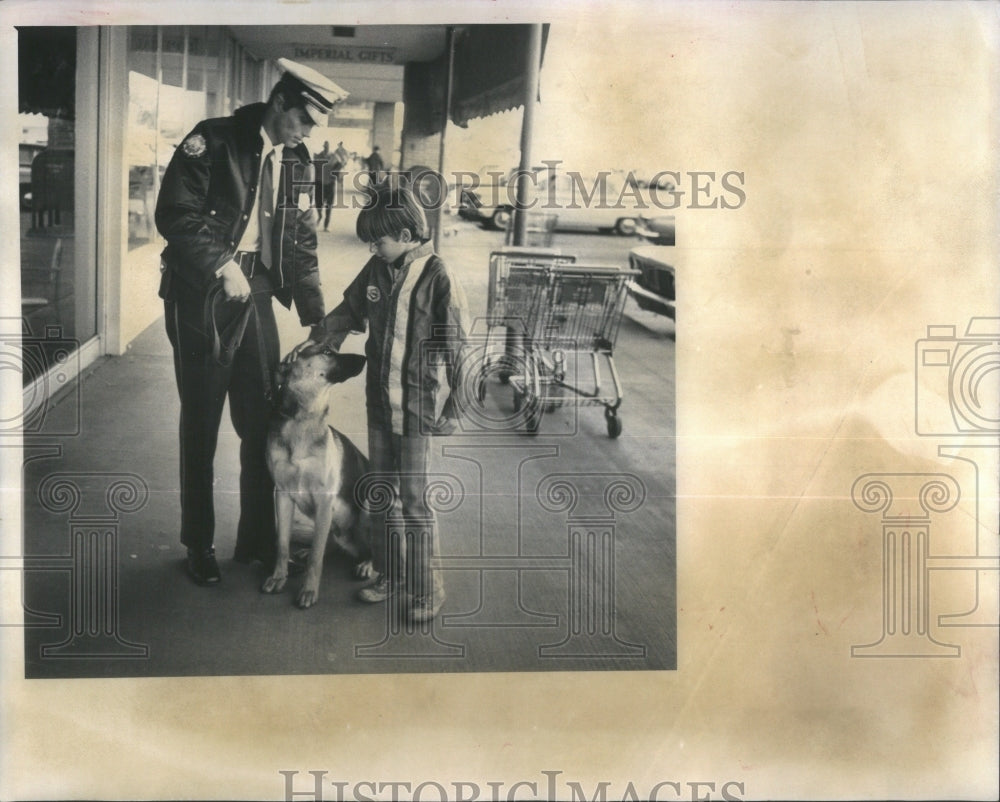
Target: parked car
[602,202]
[469,204]
[648,178]
[653,288]
[658,230]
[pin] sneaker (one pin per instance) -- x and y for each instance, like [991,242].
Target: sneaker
[380,590]
[426,608]
[202,566]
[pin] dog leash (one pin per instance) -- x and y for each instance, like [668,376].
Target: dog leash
[224,346]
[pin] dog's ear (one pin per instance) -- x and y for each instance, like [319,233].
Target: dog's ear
[346,366]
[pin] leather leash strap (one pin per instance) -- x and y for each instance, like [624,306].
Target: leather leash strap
[226,343]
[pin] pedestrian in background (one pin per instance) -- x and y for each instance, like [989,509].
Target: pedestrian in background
[375,166]
[323,164]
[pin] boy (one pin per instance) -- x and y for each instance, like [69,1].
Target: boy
[415,308]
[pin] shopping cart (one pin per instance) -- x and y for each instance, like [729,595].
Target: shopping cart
[571,314]
[517,277]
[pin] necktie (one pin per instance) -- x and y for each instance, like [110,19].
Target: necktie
[266,204]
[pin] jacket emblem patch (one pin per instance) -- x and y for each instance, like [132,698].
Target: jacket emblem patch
[194,146]
[374,295]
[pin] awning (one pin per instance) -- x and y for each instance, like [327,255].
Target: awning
[490,70]
[489,77]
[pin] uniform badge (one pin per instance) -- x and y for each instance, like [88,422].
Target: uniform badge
[194,146]
[374,295]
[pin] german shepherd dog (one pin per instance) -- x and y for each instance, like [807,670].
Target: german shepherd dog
[315,468]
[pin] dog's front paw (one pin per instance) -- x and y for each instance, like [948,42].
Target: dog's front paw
[307,597]
[273,584]
[365,570]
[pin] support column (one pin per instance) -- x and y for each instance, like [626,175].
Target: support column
[384,130]
[93,559]
[501,549]
[906,523]
[591,501]
[402,638]
[532,69]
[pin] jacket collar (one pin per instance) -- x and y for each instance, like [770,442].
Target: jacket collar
[425,249]
[252,116]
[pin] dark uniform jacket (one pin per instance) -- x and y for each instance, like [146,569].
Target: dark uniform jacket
[206,198]
[417,318]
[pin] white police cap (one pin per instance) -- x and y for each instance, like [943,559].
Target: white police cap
[318,91]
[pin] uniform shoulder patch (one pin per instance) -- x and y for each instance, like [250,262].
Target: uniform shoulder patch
[194,146]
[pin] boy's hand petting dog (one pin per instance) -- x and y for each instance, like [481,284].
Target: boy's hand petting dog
[300,347]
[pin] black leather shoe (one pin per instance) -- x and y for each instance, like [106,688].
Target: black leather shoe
[202,567]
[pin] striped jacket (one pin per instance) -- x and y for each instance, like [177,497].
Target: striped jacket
[417,319]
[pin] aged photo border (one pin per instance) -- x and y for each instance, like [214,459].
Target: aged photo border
[789,446]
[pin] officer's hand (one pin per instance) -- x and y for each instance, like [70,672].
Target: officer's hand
[234,283]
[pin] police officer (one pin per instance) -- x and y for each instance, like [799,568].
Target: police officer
[235,210]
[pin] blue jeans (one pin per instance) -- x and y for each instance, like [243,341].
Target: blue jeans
[404,537]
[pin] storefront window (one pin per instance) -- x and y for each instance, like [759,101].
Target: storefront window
[57,300]
[172,55]
[161,111]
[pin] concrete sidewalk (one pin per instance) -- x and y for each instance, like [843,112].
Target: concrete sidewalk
[530,587]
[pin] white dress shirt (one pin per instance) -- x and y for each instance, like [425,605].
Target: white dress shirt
[250,241]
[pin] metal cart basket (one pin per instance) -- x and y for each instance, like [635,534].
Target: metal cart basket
[569,315]
[510,301]
[508,304]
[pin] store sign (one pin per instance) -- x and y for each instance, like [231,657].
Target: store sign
[350,53]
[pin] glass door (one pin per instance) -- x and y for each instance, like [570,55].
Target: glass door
[58,280]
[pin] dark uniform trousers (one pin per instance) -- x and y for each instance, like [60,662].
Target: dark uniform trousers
[204,384]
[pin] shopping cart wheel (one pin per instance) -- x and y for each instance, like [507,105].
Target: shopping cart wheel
[532,411]
[613,421]
[534,418]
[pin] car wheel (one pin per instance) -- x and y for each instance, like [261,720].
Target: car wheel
[500,219]
[626,227]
